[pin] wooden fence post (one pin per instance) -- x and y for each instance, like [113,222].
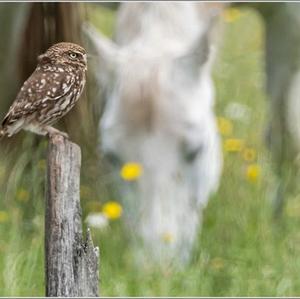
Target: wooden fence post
[71,264]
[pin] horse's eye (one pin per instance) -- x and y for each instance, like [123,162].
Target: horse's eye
[73,55]
[190,153]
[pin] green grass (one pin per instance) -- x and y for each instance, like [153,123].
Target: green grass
[241,251]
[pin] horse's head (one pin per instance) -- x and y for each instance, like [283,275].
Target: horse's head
[159,114]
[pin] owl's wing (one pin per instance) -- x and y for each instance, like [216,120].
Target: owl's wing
[41,87]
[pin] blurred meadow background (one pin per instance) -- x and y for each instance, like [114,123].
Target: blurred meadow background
[241,251]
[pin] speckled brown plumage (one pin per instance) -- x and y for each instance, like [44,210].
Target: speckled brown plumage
[49,93]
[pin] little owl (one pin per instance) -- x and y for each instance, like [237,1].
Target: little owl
[49,93]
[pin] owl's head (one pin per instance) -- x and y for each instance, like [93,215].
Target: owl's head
[65,53]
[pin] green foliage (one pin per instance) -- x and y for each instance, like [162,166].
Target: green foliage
[102,17]
[241,251]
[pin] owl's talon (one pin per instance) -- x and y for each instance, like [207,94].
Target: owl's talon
[65,135]
[53,134]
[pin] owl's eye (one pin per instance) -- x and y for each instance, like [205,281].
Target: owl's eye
[73,55]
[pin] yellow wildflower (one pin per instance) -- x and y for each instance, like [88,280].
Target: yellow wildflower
[217,263]
[42,164]
[23,195]
[131,171]
[249,154]
[112,210]
[231,14]
[233,145]
[3,216]
[225,126]
[168,237]
[253,172]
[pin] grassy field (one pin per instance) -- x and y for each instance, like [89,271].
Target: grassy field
[241,251]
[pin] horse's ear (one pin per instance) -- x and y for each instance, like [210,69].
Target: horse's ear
[187,67]
[103,54]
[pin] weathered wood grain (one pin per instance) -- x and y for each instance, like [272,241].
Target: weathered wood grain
[71,263]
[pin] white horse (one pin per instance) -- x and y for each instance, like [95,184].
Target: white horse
[160,113]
